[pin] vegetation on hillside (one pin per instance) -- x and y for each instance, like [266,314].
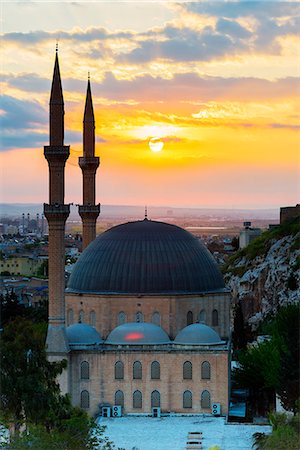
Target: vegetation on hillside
[261,245]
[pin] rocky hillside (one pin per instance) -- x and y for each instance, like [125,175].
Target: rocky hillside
[266,274]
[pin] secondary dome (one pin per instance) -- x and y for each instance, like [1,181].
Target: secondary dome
[82,334]
[198,334]
[138,334]
[145,257]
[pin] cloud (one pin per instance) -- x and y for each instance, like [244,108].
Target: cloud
[185,44]
[285,126]
[184,87]
[236,9]
[21,114]
[30,82]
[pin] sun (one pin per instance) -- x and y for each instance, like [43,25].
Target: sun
[156,144]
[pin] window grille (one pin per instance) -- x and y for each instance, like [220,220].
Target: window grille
[205,370]
[137,370]
[137,399]
[84,370]
[139,317]
[155,399]
[81,316]
[189,318]
[93,318]
[119,398]
[205,399]
[119,370]
[187,399]
[155,370]
[187,370]
[84,399]
[121,318]
[156,318]
[215,318]
[202,316]
[70,316]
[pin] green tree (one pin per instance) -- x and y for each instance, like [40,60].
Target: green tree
[29,389]
[285,434]
[10,307]
[273,365]
[284,328]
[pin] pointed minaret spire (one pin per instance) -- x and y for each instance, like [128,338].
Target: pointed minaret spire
[88,124]
[56,107]
[89,164]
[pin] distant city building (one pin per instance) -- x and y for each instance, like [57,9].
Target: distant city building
[21,265]
[289,212]
[248,234]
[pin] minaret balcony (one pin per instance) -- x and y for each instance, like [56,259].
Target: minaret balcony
[57,152]
[89,163]
[56,211]
[89,209]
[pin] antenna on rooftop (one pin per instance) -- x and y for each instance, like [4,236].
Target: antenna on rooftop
[146,213]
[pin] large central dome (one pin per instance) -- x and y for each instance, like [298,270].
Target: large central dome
[146,257]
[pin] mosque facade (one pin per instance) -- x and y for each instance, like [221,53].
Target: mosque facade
[145,320]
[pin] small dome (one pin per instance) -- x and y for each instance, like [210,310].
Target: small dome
[198,334]
[83,334]
[138,334]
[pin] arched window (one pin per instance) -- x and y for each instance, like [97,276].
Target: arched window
[84,370]
[187,399]
[119,398]
[155,370]
[189,318]
[81,316]
[137,399]
[205,399]
[70,317]
[84,399]
[119,370]
[156,318]
[139,317]
[155,399]
[205,370]
[93,318]
[187,370]
[121,318]
[202,316]
[137,370]
[215,318]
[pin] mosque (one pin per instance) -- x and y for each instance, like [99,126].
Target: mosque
[145,320]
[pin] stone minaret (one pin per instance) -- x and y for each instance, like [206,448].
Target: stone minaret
[89,164]
[56,213]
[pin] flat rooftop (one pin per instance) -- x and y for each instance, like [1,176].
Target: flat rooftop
[170,433]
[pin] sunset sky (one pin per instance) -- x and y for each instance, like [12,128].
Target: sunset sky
[217,82]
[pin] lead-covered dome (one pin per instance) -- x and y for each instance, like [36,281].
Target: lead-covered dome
[146,257]
[83,334]
[198,334]
[134,333]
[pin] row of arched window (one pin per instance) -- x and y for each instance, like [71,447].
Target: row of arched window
[82,318]
[202,317]
[137,370]
[139,317]
[137,399]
